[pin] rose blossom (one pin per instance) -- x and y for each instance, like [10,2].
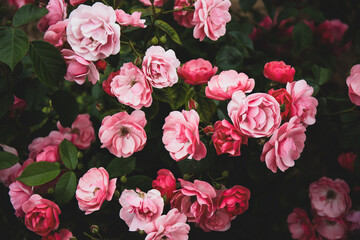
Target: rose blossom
[227,139]
[303,104]
[210,18]
[56,33]
[331,229]
[330,198]
[257,115]
[347,160]
[332,31]
[41,215]
[131,87]
[300,225]
[140,208]
[222,86]
[19,105]
[196,71]
[157,3]
[219,221]
[57,12]
[63,234]
[133,20]
[165,183]
[284,146]
[170,226]
[123,134]
[235,200]
[181,135]
[159,67]
[19,193]
[265,24]
[279,72]
[183,18]
[106,85]
[283,98]
[92,32]
[93,188]
[353,83]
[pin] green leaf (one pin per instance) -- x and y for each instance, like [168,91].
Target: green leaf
[13,46]
[321,75]
[169,30]
[68,153]
[121,166]
[139,181]
[270,8]
[65,188]
[287,13]
[314,13]
[246,5]
[176,96]
[38,173]
[302,36]
[48,63]
[229,57]
[7,160]
[28,13]
[206,108]
[242,39]
[66,106]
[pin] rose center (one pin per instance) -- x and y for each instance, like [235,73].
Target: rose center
[331,194]
[95,190]
[75,130]
[124,131]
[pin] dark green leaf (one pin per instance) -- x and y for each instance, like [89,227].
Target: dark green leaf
[270,8]
[39,173]
[287,13]
[7,160]
[65,188]
[28,13]
[66,106]
[139,181]
[246,5]
[177,96]
[303,36]
[229,57]
[242,39]
[321,75]
[13,46]
[169,30]
[314,13]
[121,166]
[68,153]
[206,108]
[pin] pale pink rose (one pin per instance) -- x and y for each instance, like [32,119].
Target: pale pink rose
[157,3]
[279,72]
[219,221]
[210,18]
[195,200]
[257,115]
[8,175]
[165,183]
[331,229]
[19,193]
[159,67]
[353,83]
[284,146]
[170,226]
[57,12]
[300,225]
[353,217]
[183,18]
[330,198]
[56,33]
[133,20]
[196,71]
[63,234]
[19,3]
[235,200]
[78,68]
[123,134]
[347,160]
[92,31]
[41,215]
[222,86]
[181,135]
[76,2]
[303,104]
[332,31]
[81,131]
[131,87]
[93,188]
[106,85]
[140,208]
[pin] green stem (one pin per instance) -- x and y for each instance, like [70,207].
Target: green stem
[89,236]
[130,43]
[178,10]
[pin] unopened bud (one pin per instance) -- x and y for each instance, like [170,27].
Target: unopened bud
[225,173]
[101,65]
[186,177]
[137,61]
[80,166]
[209,130]
[80,154]
[163,39]
[94,229]
[192,104]
[141,232]
[117,194]
[123,179]
[154,40]
[261,141]
[50,191]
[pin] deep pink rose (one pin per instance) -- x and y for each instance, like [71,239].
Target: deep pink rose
[56,33]
[284,146]
[165,183]
[63,234]
[257,115]
[19,193]
[353,217]
[195,200]
[285,100]
[353,83]
[157,3]
[133,20]
[181,135]
[92,31]
[210,18]
[330,198]
[303,104]
[106,85]
[57,12]
[265,24]
[300,225]
[332,31]
[227,139]
[196,71]
[93,188]
[131,87]
[170,226]
[19,105]
[101,65]
[123,134]
[76,2]
[41,215]
[279,72]
[183,18]
[331,229]
[19,3]
[159,67]
[8,175]
[222,86]
[219,221]
[235,200]
[347,160]
[140,208]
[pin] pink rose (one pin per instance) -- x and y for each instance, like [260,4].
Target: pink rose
[123,134]
[284,99]
[63,234]
[196,71]
[210,18]
[165,183]
[235,200]
[181,135]
[92,32]
[195,200]
[332,31]
[107,83]
[227,139]
[170,226]
[222,86]
[300,225]
[353,83]
[279,72]
[265,24]
[284,146]
[219,221]
[133,20]
[303,104]
[159,67]
[78,68]
[93,188]
[347,160]
[76,2]
[331,229]
[330,198]
[19,3]
[183,18]
[140,208]
[57,12]
[353,217]
[257,115]
[56,33]
[41,215]
[157,3]
[131,87]
[18,105]
[19,193]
